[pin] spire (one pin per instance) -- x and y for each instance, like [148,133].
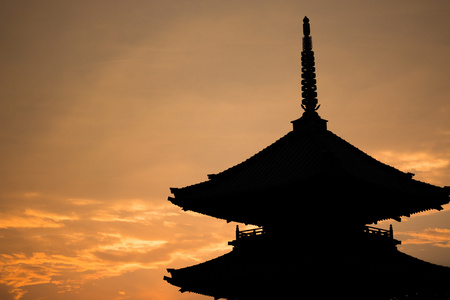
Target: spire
[310,117]
[309,94]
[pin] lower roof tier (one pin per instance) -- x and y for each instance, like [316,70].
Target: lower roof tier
[319,273]
[310,174]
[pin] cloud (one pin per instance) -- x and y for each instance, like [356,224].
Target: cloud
[439,237]
[27,222]
[14,217]
[428,166]
[71,243]
[420,161]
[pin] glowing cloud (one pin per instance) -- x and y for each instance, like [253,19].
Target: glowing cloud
[34,219]
[439,237]
[428,167]
[420,161]
[96,240]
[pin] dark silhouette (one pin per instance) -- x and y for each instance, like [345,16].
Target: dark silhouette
[312,194]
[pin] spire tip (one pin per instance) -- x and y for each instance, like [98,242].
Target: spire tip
[306,28]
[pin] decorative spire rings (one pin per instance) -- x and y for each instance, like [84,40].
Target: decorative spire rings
[309,88]
[310,118]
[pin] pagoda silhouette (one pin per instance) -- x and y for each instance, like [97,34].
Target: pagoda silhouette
[312,197]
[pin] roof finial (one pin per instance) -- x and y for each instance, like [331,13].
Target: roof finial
[309,94]
[309,89]
[306,29]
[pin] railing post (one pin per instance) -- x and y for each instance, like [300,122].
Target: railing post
[237,232]
[391,231]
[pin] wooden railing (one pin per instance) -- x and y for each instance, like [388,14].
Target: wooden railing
[388,233]
[249,232]
[369,230]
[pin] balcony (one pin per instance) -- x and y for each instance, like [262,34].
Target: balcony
[386,235]
[247,235]
[367,233]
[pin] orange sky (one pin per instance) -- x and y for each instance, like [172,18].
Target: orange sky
[104,105]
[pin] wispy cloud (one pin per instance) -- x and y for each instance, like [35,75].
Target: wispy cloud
[420,161]
[427,166]
[439,237]
[34,218]
[74,242]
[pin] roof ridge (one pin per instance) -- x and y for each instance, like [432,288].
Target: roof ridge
[239,165]
[371,159]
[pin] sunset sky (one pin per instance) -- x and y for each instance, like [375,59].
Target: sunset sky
[104,105]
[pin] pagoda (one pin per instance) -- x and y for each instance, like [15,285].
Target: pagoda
[313,198]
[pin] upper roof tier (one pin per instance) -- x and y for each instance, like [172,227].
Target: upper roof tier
[310,173]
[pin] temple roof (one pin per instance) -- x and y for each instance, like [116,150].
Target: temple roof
[313,169]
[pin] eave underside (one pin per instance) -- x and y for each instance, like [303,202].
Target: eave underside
[325,196]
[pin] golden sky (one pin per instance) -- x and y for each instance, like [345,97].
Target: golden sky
[104,105]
